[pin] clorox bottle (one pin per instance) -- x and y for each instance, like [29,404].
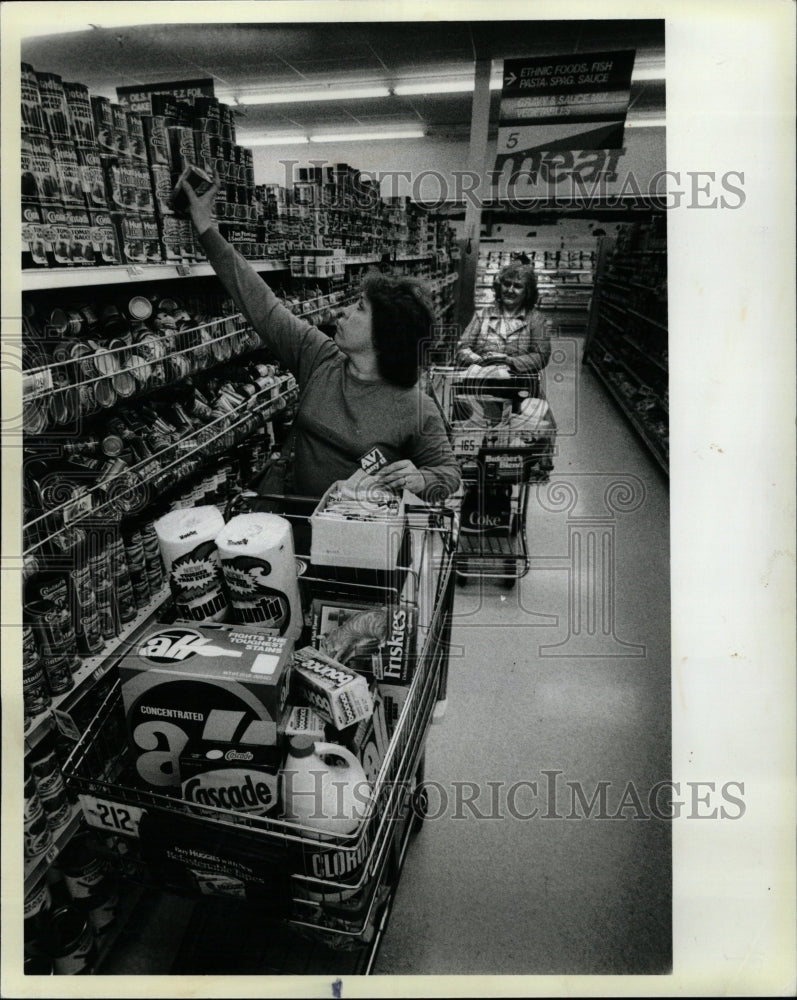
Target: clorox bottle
[322,785]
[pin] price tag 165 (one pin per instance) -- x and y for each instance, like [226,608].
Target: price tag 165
[466,445]
[111,816]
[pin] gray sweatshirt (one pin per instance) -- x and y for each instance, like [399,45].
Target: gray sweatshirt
[401,423]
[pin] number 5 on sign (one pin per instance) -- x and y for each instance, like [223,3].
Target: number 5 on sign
[111,816]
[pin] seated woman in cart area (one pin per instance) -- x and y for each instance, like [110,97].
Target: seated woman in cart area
[511,332]
[505,348]
[359,390]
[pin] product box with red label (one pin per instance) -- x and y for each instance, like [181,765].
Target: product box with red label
[182,682]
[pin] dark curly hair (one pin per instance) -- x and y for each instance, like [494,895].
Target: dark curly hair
[402,319]
[518,272]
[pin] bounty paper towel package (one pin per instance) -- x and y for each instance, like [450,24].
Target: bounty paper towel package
[182,682]
[187,543]
[257,560]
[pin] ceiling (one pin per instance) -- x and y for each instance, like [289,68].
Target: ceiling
[243,58]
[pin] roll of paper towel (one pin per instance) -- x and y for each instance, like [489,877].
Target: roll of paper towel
[259,566]
[186,539]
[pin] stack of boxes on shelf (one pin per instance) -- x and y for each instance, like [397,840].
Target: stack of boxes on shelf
[338,208]
[97,179]
[97,176]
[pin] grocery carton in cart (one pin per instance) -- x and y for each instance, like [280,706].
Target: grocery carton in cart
[359,524]
[185,681]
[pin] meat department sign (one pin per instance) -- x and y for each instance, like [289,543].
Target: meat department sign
[562,118]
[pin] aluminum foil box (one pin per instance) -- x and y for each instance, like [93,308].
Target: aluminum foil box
[182,682]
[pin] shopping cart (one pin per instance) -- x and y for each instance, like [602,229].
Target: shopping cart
[273,888]
[503,434]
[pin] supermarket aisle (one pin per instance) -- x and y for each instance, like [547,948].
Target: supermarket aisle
[542,682]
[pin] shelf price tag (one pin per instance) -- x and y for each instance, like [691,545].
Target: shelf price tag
[66,726]
[52,853]
[134,271]
[467,444]
[77,508]
[114,816]
[34,383]
[184,270]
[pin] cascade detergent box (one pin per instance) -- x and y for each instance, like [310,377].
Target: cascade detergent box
[183,682]
[239,776]
[338,694]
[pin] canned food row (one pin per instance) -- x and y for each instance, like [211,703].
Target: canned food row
[89,369]
[70,912]
[71,612]
[161,445]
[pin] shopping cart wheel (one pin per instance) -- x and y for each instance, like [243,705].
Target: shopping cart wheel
[508,582]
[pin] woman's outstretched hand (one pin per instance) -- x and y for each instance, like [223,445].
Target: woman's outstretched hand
[401,475]
[200,207]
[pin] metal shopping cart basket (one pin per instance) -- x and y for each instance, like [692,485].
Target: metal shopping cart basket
[503,434]
[331,893]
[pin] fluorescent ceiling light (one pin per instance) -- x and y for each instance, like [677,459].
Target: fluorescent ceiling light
[272,140]
[367,136]
[336,93]
[464,86]
[343,92]
[651,122]
[434,87]
[647,73]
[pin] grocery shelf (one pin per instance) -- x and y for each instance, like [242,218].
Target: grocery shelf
[653,443]
[644,353]
[647,319]
[261,405]
[91,670]
[37,867]
[48,279]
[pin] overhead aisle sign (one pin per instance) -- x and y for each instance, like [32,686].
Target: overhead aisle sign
[571,102]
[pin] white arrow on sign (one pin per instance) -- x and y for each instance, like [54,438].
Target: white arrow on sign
[509,80]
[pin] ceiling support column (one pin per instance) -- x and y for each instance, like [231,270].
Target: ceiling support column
[479,124]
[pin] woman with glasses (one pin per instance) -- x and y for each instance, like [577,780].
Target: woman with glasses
[511,332]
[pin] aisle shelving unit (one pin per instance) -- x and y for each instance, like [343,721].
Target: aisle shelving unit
[52,279]
[193,454]
[626,344]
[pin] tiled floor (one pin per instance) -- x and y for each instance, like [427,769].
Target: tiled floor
[559,688]
[535,689]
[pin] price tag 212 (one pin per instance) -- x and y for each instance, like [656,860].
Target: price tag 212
[114,817]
